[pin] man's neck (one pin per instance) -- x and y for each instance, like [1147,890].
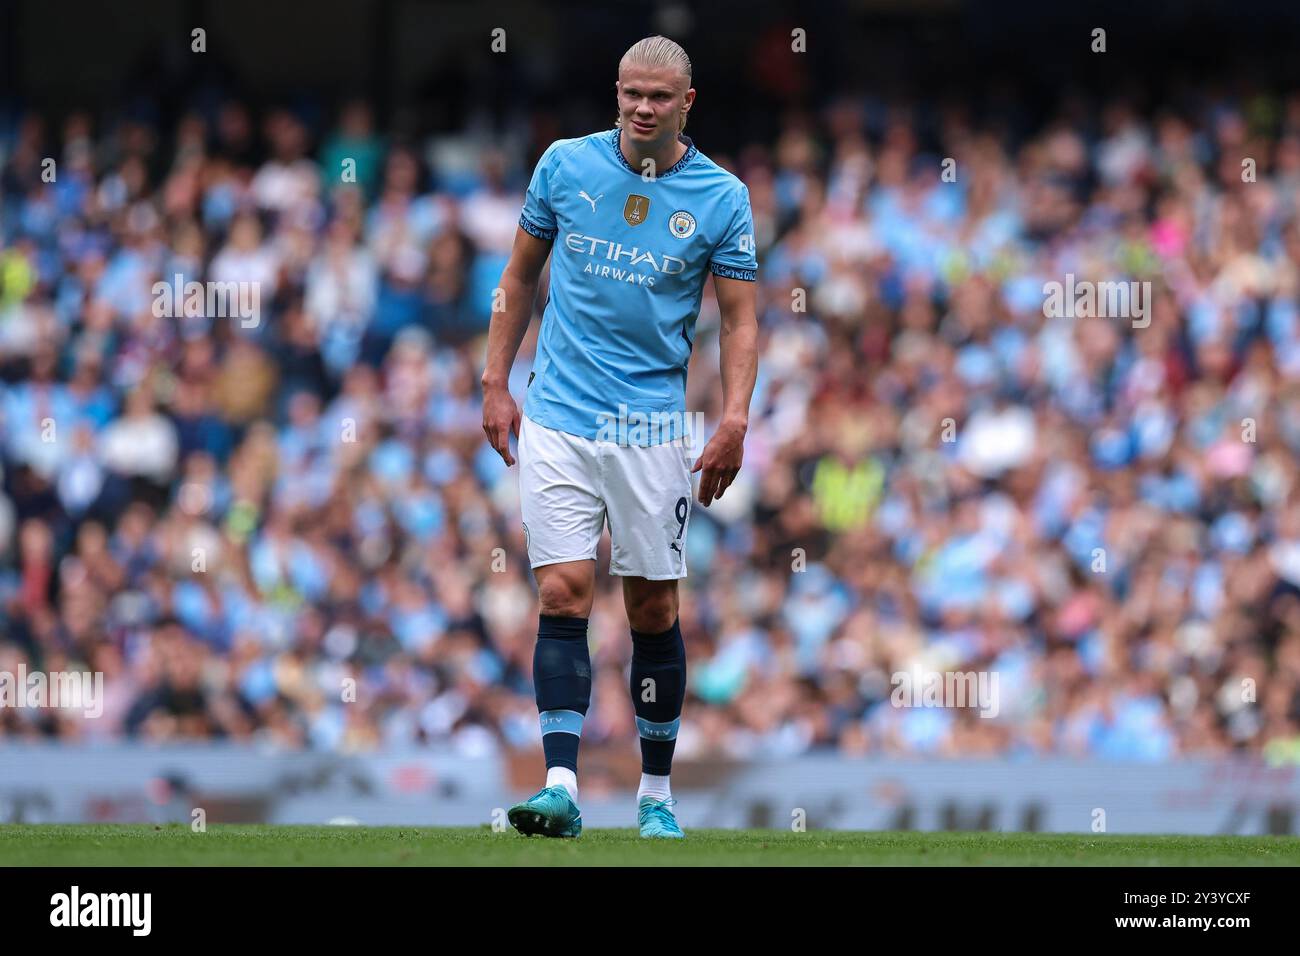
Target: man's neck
[664,158]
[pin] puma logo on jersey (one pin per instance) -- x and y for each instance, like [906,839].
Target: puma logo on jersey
[583,194]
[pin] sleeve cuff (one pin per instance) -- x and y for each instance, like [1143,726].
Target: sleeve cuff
[530,227]
[729,272]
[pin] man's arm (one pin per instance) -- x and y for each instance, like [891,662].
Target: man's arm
[738,344]
[506,331]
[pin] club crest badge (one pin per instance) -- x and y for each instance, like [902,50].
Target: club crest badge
[681,224]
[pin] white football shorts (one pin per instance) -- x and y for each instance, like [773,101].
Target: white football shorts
[570,486]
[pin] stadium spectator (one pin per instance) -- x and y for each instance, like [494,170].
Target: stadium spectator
[229,521]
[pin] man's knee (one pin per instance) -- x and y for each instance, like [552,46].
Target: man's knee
[651,606]
[565,592]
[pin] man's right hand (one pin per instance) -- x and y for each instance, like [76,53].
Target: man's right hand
[500,418]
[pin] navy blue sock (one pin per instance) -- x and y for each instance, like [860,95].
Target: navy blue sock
[562,683]
[658,688]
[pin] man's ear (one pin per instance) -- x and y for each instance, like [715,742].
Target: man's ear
[689,100]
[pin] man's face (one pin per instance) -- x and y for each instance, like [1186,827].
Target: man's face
[650,102]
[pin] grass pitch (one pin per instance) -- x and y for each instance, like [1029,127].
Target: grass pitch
[265,845]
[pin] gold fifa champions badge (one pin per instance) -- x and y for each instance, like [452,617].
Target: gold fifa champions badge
[635,209]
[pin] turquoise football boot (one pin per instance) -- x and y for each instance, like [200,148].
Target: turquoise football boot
[657,820]
[550,812]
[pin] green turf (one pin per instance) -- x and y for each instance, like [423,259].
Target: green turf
[259,845]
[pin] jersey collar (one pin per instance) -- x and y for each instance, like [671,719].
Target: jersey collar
[616,139]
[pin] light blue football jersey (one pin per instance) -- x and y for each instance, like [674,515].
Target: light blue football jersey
[628,266]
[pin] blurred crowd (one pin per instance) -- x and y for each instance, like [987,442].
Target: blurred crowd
[292,531]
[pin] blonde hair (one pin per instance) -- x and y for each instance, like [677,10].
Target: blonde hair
[654,53]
